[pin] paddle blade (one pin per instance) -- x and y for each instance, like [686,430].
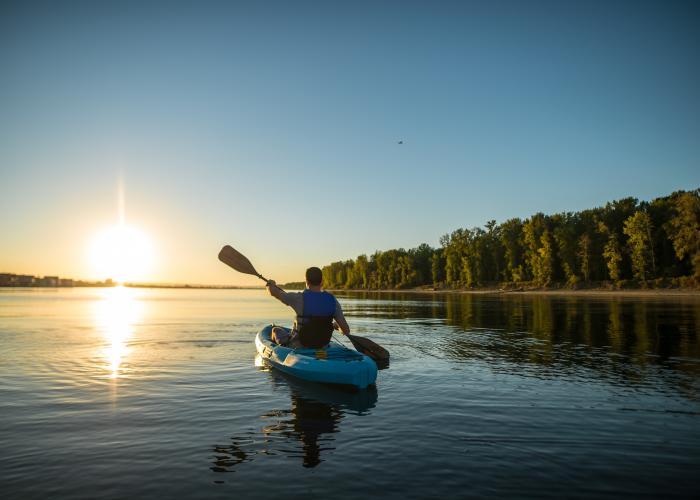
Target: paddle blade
[232,257]
[371,349]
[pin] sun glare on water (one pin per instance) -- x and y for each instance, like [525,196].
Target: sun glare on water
[122,253]
[116,312]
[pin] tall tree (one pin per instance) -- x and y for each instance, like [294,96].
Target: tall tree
[421,256]
[638,230]
[511,236]
[538,251]
[361,272]
[612,252]
[546,261]
[584,254]
[566,242]
[684,229]
[493,252]
[437,266]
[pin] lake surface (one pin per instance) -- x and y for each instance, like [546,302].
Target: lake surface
[117,392]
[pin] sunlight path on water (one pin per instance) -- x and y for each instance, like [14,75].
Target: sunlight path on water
[115,314]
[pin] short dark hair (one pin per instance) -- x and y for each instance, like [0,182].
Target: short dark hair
[314,276]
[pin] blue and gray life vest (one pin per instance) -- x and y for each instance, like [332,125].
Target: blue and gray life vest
[315,324]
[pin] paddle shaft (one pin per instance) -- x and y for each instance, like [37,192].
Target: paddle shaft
[267,281]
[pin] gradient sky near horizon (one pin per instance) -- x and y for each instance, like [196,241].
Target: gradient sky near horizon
[273,126]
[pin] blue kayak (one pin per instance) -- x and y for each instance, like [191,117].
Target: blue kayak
[333,364]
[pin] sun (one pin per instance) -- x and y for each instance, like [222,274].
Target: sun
[122,253]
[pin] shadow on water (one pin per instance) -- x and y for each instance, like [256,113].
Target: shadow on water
[304,431]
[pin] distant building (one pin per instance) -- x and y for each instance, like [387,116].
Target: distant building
[50,281]
[24,280]
[11,279]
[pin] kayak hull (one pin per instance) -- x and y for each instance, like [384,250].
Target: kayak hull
[334,364]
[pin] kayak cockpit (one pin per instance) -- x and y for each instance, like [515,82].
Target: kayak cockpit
[333,364]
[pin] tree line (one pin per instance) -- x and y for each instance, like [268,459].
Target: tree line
[624,243]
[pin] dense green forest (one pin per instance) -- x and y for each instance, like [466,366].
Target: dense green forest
[626,243]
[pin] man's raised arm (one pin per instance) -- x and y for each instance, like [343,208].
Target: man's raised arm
[276,291]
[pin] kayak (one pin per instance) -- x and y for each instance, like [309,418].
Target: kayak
[333,364]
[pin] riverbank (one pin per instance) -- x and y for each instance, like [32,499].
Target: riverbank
[634,292]
[588,292]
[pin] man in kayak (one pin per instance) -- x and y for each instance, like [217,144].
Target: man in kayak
[318,313]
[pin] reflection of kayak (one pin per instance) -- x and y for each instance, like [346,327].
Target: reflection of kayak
[345,400]
[334,364]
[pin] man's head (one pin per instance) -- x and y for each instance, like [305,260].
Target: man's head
[314,276]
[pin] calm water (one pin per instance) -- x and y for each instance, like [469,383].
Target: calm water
[119,392]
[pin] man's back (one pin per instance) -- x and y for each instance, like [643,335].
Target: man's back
[315,310]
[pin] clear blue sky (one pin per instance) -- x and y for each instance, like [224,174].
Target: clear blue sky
[273,126]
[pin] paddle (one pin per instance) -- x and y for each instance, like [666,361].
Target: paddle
[235,259]
[371,349]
